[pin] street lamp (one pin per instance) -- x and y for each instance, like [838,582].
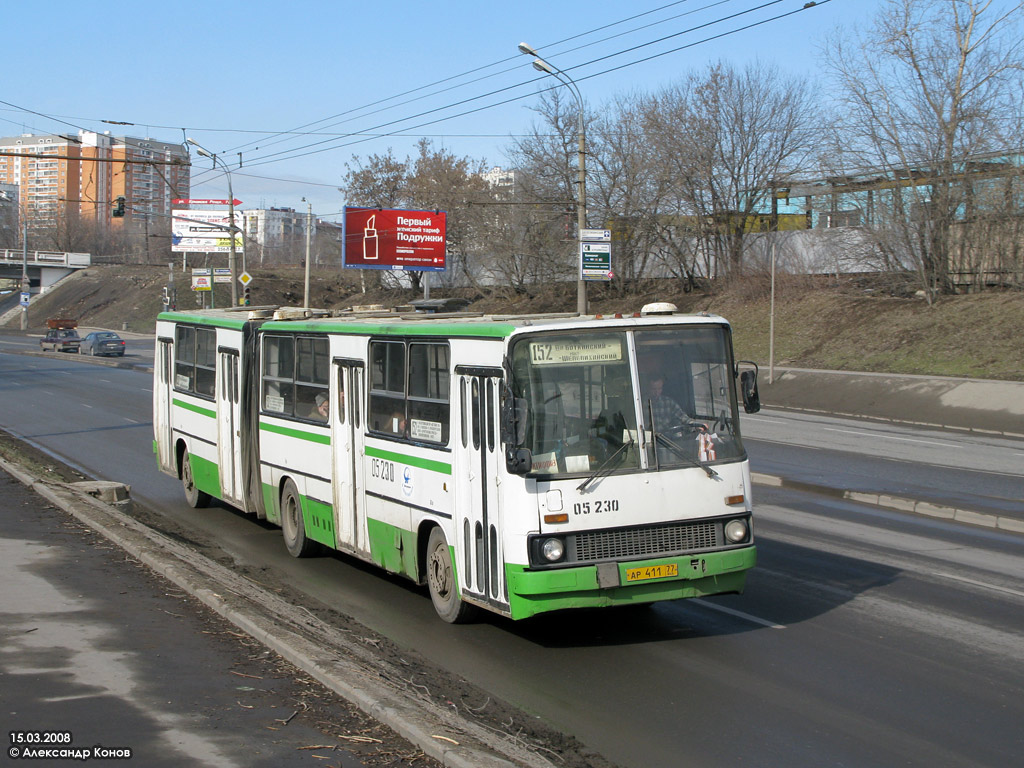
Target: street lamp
[581,203]
[232,229]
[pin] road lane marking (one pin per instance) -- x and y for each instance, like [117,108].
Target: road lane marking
[994,587]
[877,436]
[737,614]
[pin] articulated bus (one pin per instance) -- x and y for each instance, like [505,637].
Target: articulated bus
[517,464]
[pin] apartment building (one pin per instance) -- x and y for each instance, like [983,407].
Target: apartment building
[63,176]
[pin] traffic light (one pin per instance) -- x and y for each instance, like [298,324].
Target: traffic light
[118,211]
[245,296]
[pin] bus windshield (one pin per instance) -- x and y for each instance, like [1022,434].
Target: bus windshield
[586,394]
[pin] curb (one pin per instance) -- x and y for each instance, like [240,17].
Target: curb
[897,503]
[312,645]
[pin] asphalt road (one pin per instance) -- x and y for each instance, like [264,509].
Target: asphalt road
[866,637]
[960,469]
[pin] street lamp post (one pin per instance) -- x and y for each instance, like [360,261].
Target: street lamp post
[581,203]
[232,229]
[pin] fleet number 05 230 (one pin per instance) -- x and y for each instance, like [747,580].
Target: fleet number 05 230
[595,507]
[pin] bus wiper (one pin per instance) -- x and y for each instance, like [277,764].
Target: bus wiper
[658,437]
[605,467]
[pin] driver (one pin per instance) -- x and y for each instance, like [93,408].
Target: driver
[667,412]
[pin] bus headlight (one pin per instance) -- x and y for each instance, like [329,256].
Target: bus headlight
[736,531]
[552,549]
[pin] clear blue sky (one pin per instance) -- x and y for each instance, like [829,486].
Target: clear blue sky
[234,75]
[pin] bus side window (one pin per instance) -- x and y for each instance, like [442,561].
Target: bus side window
[312,373]
[428,393]
[387,386]
[340,404]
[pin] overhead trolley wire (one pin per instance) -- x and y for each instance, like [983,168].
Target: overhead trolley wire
[482,68]
[298,151]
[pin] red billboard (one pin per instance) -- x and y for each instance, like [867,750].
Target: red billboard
[381,238]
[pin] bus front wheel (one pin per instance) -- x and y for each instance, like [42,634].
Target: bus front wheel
[292,524]
[193,496]
[444,591]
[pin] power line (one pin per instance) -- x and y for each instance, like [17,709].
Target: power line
[464,74]
[268,158]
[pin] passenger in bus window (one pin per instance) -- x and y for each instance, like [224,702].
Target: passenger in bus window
[323,407]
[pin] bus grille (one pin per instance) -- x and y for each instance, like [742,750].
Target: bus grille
[626,543]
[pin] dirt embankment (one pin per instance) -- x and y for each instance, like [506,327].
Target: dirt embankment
[844,326]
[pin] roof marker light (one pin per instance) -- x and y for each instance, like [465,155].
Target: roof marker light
[658,308]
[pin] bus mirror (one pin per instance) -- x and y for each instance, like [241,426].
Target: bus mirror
[748,386]
[513,421]
[518,461]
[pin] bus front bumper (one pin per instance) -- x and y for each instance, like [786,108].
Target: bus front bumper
[641,581]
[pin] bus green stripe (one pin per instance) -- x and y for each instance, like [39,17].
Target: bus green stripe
[412,461]
[195,408]
[302,435]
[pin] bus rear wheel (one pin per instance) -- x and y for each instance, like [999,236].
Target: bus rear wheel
[292,524]
[193,496]
[444,591]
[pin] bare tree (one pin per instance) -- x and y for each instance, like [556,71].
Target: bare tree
[724,138]
[440,181]
[382,182]
[628,188]
[546,178]
[927,90]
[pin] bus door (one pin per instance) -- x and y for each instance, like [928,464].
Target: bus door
[346,448]
[478,523]
[163,394]
[229,419]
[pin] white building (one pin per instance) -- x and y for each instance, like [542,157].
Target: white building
[274,227]
[500,179]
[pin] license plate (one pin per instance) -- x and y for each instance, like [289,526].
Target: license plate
[652,572]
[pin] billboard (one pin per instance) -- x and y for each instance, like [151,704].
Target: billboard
[204,231]
[382,238]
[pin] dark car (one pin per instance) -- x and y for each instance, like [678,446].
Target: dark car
[103,343]
[61,340]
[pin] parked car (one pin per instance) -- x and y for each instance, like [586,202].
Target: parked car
[61,340]
[102,343]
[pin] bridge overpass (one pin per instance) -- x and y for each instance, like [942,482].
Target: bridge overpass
[44,268]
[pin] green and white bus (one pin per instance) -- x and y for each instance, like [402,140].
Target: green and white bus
[517,464]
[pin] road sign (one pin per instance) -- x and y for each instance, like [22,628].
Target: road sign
[203,201]
[202,283]
[245,278]
[221,275]
[596,235]
[25,298]
[596,261]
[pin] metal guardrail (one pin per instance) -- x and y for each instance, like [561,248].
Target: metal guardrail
[46,258]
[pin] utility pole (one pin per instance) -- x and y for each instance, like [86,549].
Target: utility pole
[542,65]
[309,234]
[26,287]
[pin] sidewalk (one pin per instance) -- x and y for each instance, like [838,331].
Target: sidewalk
[97,646]
[978,405]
